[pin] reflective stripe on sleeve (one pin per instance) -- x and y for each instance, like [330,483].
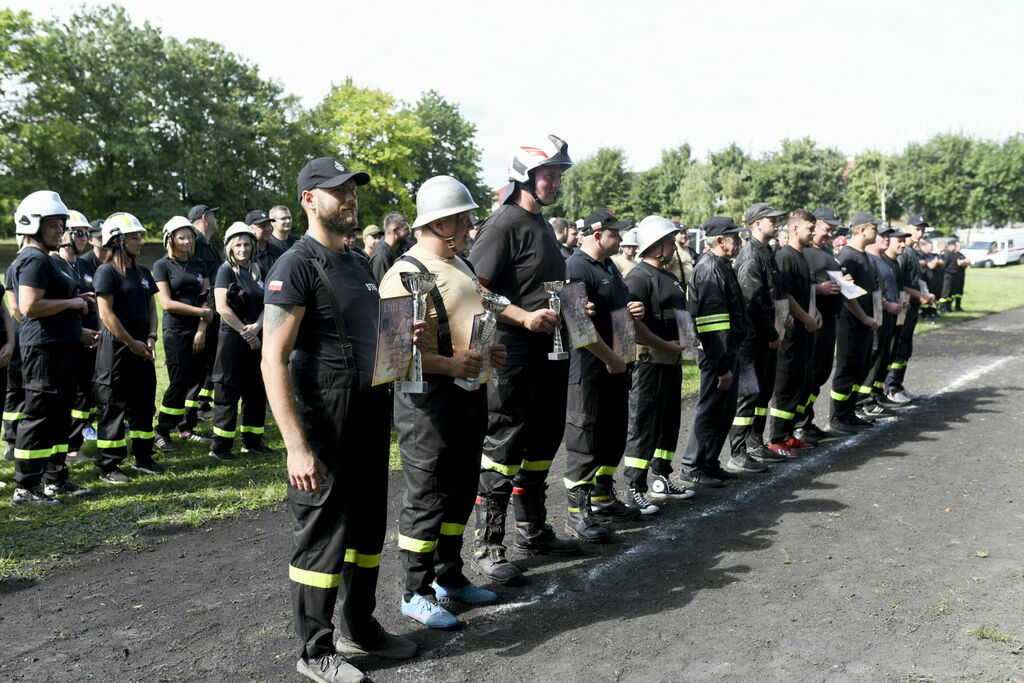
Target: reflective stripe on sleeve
[742,421]
[10,417]
[80,414]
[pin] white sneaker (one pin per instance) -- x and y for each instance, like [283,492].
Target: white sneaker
[663,487]
[898,397]
[640,501]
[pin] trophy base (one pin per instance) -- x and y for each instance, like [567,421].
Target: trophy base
[467,384]
[407,386]
[558,355]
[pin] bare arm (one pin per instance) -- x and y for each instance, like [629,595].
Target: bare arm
[227,314]
[163,290]
[35,306]
[854,307]
[7,349]
[645,336]
[105,307]
[12,303]
[797,311]
[543,320]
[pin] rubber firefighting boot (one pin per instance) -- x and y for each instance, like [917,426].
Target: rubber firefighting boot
[606,505]
[488,536]
[534,536]
[580,522]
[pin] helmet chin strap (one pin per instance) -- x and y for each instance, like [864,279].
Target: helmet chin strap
[449,241]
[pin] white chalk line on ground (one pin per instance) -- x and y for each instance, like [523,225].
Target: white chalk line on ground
[752,485]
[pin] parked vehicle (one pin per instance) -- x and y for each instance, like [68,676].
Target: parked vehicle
[994,247]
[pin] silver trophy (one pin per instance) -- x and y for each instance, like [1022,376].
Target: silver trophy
[418,284]
[488,323]
[555,304]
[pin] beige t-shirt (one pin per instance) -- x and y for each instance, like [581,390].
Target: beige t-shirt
[624,264]
[457,285]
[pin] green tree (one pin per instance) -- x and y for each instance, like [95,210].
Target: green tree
[998,191]
[655,191]
[452,150]
[934,179]
[732,182]
[800,175]
[599,181]
[373,132]
[869,182]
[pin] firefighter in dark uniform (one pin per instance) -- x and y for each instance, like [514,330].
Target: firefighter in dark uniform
[514,254]
[7,349]
[820,260]
[267,252]
[759,279]
[911,269]
[182,286]
[441,431]
[14,397]
[238,294]
[932,267]
[598,400]
[715,302]
[50,336]
[872,402]
[387,249]
[953,265]
[960,279]
[794,352]
[855,328]
[125,369]
[319,345]
[207,250]
[656,378]
[94,258]
[68,260]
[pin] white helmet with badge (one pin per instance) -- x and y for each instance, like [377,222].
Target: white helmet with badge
[34,208]
[118,225]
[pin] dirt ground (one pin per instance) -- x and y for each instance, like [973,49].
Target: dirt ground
[886,556]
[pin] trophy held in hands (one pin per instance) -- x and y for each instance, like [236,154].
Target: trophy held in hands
[418,284]
[555,304]
[483,337]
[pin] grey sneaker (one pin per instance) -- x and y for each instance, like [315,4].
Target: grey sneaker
[163,442]
[192,437]
[700,478]
[31,497]
[114,476]
[743,463]
[330,668]
[386,645]
[898,397]
[66,487]
[763,454]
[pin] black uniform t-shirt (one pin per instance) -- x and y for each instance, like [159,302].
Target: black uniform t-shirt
[11,280]
[516,252]
[266,258]
[36,269]
[91,261]
[207,255]
[74,270]
[185,281]
[130,294]
[794,275]
[950,262]
[819,262]
[285,244]
[607,291]
[245,296]
[3,328]
[858,266]
[382,258]
[294,281]
[661,294]
[910,272]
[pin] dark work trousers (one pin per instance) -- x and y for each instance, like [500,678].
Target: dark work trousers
[822,353]
[201,392]
[946,297]
[14,398]
[853,351]
[338,532]
[3,392]
[41,449]
[902,349]
[525,423]
[125,391]
[747,432]
[596,417]
[237,376]
[83,408]
[440,434]
[185,370]
[881,351]
[655,403]
[958,288]
[712,418]
[790,382]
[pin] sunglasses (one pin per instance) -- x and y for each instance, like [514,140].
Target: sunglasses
[77,234]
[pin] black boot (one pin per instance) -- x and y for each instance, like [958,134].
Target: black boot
[580,522]
[606,506]
[488,550]
[533,534]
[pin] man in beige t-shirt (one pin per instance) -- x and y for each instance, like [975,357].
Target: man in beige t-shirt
[441,432]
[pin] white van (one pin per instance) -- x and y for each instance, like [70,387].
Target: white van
[994,247]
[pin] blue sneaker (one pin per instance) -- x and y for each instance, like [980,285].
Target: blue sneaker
[428,613]
[89,434]
[469,594]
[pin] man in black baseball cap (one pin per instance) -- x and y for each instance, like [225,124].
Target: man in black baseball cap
[911,266]
[266,251]
[760,210]
[200,210]
[327,172]
[204,220]
[95,256]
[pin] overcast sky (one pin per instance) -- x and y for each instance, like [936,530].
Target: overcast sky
[643,76]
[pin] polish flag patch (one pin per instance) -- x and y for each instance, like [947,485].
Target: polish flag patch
[275,286]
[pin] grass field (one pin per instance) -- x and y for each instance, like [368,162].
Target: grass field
[198,488]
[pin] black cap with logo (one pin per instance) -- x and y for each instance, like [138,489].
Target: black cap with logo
[721,225]
[827,215]
[327,172]
[257,216]
[760,210]
[200,210]
[865,217]
[602,219]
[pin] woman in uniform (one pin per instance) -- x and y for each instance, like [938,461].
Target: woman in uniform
[182,290]
[68,259]
[125,372]
[238,293]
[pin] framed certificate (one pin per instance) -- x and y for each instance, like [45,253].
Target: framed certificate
[876,304]
[849,290]
[574,313]
[394,340]
[781,316]
[624,335]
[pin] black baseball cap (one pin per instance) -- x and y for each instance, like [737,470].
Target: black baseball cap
[257,216]
[200,210]
[864,217]
[758,211]
[827,215]
[898,234]
[918,221]
[96,228]
[721,225]
[327,172]
[885,230]
[602,219]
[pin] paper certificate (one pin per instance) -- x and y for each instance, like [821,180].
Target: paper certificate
[781,315]
[849,289]
[623,335]
[812,307]
[922,287]
[904,304]
[687,333]
[394,340]
[876,305]
[574,312]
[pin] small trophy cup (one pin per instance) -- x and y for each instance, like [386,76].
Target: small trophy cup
[555,304]
[493,305]
[418,284]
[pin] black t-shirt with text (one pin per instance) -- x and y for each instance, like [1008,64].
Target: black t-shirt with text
[185,281]
[245,296]
[34,268]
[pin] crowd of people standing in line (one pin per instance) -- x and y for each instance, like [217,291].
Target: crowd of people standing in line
[294,323]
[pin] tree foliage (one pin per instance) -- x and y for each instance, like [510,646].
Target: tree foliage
[452,150]
[599,181]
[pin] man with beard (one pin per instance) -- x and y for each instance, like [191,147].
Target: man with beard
[387,250]
[514,255]
[319,344]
